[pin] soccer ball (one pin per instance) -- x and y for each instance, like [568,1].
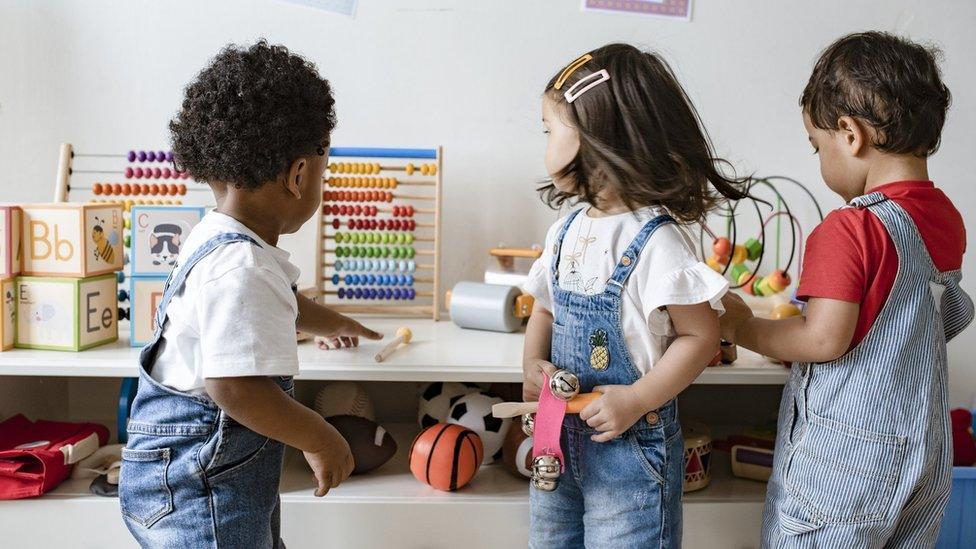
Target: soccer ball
[437,399]
[474,412]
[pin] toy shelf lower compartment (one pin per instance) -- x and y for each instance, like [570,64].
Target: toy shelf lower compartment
[389,504]
[440,351]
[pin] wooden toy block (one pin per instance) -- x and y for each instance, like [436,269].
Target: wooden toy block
[74,240]
[144,295]
[66,314]
[11,251]
[8,313]
[157,236]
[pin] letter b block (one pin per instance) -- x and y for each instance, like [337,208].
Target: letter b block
[72,239]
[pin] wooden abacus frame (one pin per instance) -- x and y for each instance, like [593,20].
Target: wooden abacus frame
[374,163]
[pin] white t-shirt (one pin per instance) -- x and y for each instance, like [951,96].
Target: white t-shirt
[236,313]
[667,272]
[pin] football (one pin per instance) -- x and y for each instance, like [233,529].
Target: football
[344,398]
[474,412]
[369,442]
[437,399]
[517,453]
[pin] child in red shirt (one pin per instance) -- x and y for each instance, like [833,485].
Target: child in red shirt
[863,454]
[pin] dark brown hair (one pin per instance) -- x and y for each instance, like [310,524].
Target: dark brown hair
[890,83]
[640,138]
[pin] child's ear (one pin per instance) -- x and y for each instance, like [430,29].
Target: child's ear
[853,134]
[297,173]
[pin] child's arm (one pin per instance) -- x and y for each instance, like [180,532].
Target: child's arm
[320,320]
[621,406]
[823,334]
[257,403]
[535,354]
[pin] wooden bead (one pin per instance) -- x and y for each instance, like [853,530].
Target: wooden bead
[722,247]
[778,280]
[784,310]
[714,264]
[739,254]
[97,188]
[737,271]
[754,247]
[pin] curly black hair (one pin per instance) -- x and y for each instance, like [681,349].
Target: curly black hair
[249,114]
[890,83]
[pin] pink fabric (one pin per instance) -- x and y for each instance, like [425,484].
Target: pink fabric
[548,424]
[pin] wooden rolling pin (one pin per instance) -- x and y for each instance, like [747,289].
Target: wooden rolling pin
[515,409]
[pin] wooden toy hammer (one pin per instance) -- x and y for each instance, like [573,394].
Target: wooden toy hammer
[403,336]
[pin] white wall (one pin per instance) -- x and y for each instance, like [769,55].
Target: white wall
[107,75]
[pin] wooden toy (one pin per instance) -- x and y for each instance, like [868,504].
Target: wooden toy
[698,458]
[446,456]
[729,256]
[78,240]
[403,336]
[8,313]
[474,412]
[370,444]
[145,292]
[68,314]
[751,455]
[491,307]
[157,234]
[11,248]
[379,232]
[340,398]
[513,409]
[510,267]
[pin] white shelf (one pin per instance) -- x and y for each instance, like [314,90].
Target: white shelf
[440,351]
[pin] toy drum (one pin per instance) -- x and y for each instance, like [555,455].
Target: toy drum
[698,457]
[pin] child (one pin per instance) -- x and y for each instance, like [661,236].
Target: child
[621,299]
[214,406]
[862,454]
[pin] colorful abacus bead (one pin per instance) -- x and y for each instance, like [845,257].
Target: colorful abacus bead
[131,156]
[722,246]
[778,280]
[754,249]
[739,254]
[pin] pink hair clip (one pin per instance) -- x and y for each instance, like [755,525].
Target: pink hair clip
[585,84]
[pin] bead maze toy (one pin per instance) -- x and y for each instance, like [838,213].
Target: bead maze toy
[379,232]
[730,256]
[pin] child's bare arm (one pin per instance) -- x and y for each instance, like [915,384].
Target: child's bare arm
[823,334]
[320,320]
[535,354]
[260,405]
[697,330]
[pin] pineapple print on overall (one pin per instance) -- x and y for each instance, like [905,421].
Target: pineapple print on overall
[599,353]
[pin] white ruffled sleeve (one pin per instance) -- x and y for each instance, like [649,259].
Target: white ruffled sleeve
[673,275]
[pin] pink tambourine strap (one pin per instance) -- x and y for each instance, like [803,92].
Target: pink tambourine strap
[548,423]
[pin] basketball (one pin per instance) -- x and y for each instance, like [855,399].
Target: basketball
[517,453]
[446,456]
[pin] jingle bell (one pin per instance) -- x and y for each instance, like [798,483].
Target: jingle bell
[528,424]
[545,472]
[564,384]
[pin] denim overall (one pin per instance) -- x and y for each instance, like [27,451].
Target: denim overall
[191,476]
[863,451]
[623,493]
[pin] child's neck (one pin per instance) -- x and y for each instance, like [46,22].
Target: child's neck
[250,209]
[888,168]
[609,205]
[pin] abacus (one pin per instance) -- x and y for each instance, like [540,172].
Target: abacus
[134,177]
[379,232]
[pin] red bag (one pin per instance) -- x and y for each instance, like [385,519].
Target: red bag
[37,456]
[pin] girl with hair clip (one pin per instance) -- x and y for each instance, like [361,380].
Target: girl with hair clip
[622,301]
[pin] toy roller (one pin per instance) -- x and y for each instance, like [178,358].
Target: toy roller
[491,307]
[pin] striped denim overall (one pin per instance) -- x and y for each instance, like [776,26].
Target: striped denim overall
[863,450]
[191,476]
[625,493]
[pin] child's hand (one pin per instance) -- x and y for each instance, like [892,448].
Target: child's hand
[614,412]
[736,312]
[346,334]
[332,463]
[532,378]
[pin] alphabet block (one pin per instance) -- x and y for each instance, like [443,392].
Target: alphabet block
[78,240]
[144,295]
[158,233]
[66,314]
[11,252]
[8,312]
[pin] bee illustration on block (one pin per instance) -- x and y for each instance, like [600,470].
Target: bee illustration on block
[104,242]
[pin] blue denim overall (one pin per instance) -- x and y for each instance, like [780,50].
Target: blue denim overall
[863,451]
[191,476]
[627,492]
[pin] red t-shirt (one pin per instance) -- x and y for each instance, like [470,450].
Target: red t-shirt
[850,256]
